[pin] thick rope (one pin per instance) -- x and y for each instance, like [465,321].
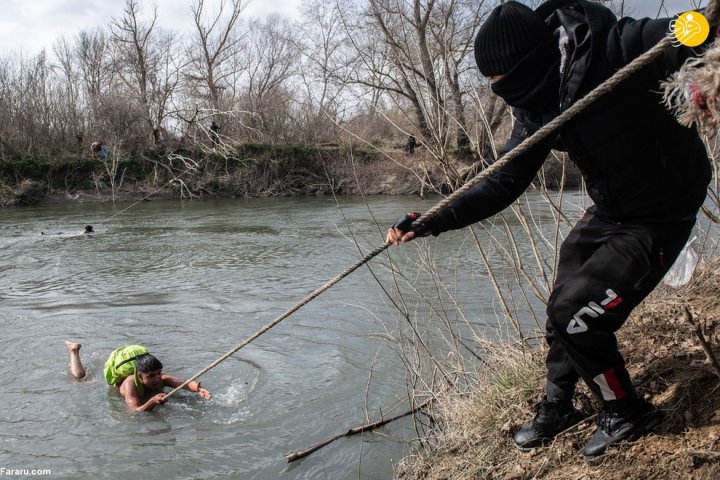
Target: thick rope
[606,87]
[528,143]
[287,313]
[175,177]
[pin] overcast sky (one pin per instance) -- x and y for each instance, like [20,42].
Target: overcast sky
[30,25]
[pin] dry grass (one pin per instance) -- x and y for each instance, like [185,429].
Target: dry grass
[473,438]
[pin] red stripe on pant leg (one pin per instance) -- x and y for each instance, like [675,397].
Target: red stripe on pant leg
[614,384]
[614,303]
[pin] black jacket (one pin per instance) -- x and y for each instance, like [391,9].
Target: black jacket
[638,163]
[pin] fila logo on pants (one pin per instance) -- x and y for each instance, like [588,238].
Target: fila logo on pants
[592,310]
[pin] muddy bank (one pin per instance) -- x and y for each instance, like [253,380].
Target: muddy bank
[251,171]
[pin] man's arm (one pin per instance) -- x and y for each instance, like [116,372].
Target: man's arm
[195,387]
[497,191]
[630,38]
[493,194]
[132,399]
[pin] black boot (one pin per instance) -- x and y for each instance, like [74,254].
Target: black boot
[550,419]
[619,422]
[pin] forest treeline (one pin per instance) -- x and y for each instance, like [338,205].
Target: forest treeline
[378,69]
[369,72]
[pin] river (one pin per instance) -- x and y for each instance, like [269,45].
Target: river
[189,280]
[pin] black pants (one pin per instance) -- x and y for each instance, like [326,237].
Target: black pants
[605,270]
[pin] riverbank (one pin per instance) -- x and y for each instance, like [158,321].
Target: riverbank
[250,170]
[664,357]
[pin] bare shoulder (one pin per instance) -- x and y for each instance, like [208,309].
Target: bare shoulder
[127,387]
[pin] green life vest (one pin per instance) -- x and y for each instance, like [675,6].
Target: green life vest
[121,364]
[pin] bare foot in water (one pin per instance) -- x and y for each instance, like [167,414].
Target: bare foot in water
[76,368]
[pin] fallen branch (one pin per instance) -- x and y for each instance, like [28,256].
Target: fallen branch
[704,454]
[291,457]
[714,218]
[703,342]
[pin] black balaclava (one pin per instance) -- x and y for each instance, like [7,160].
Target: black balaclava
[515,42]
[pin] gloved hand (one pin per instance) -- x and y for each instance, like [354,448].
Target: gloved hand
[403,230]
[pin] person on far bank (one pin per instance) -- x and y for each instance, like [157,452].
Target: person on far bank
[645,173]
[99,150]
[214,136]
[411,144]
[136,373]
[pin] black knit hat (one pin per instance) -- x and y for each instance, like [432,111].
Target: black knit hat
[509,33]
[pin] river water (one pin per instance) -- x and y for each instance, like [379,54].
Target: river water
[189,280]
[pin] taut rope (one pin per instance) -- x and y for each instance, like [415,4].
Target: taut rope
[619,76]
[175,177]
[282,317]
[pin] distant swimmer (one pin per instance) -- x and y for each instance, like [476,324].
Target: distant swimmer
[137,375]
[86,231]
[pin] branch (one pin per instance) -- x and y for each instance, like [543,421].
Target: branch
[703,342]
[291,457]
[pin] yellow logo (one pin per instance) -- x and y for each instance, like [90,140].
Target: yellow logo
[690,29]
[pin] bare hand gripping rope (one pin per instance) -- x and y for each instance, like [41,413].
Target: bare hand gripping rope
[621,75]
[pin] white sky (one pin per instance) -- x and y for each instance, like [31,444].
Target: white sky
[649,8]
[30,25]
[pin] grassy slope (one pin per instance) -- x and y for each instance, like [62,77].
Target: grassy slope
[664,357]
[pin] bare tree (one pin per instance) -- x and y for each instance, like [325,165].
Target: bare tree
[453,30]
[417,52]
[69,77]
[322,49]
[213,52]
[33,111]
[165,82]
[271,59]
[142,52]
[96,71]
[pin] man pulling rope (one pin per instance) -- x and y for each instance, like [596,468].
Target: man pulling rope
[622,247]
[646,174]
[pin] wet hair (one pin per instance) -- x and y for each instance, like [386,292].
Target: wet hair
[147,363]
[88,228]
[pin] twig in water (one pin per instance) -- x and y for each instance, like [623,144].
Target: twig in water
[291,457]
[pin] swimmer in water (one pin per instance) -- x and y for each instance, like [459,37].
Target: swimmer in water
[86,231]
[137,375]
